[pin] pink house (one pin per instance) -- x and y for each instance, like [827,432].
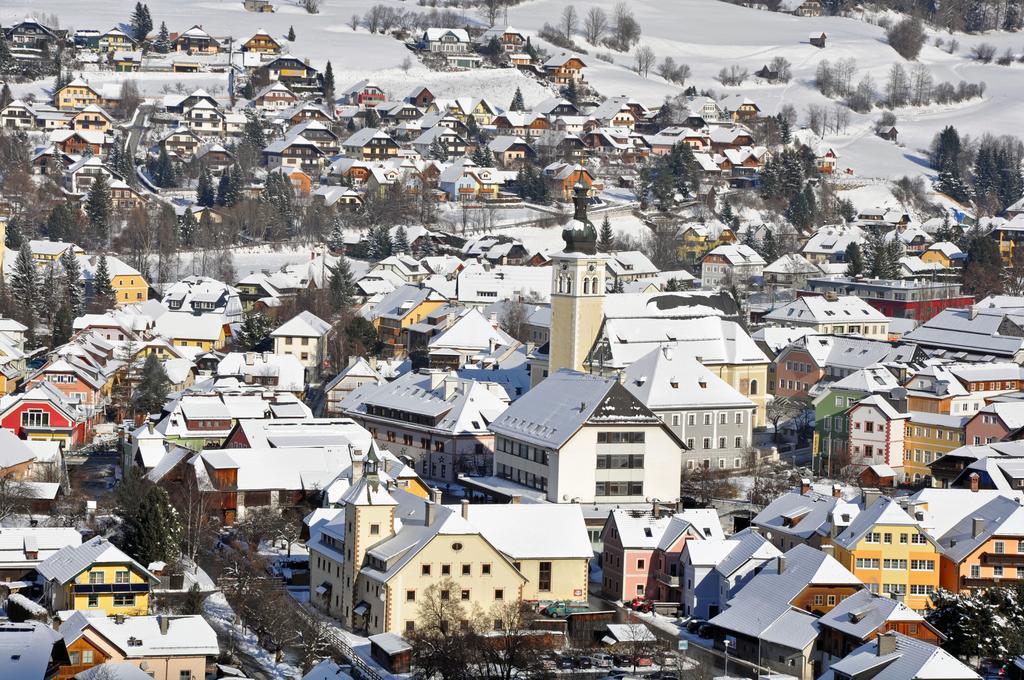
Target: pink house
[641,552]
[997,422]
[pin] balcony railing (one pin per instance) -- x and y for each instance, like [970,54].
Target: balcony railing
[670,581]
[1013,559]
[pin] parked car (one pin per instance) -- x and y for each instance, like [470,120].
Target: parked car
[693,624]
[584,662]
[602,660]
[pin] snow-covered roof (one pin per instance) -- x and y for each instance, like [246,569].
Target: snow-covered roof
[69,562]
[883,512]
[513,529]
[912,658]
[144,637]
[304,324]
[668,377]
[820,309]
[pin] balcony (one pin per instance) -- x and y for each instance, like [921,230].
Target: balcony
[1011,559]
[666,579]
[967,582]
[95,588]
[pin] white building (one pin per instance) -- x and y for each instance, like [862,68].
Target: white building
[304,337]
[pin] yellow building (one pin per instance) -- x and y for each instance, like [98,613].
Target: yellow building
[75,95]
[96,576]
[400,309]
[375,574]
[943,253]
[694,243]
[929,436]
[887,550]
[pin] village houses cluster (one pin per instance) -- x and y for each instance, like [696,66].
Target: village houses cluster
[570,430]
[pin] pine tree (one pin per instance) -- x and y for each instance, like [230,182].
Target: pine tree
[152,532]
[71,275]
[164,174]
[401,240]
[7,63]
[103,297]
[223,186]
[60,223]
[571,92]
[147,21]
[726,214]
[25,291]
[785,133]
[606,238]
[854,260]
[100,209]
[138,22]
[379,245]
[189,227]
[437,151]
[341,288]
[291,34]
[336,239]
[153,387]
[5,96]
[329,83]
[205,194]
[517,101]
[62,326]
[49,295]
[162,44]
[254,330]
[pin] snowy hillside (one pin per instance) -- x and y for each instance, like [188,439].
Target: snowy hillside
[704,34]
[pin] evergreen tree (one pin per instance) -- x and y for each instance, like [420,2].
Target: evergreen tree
[162,44]
[279,197]
[72,283]
[205,194]
[336,239]
[785,133]
[726,214]
[606,237]
[291,34]
[189,227]
[517,101]
[152,532]
[147,21]
[8,65]
[13,237]
[138,22]
[5,96]
[153,387]
[103,296]
[437,151]
[854,260]
[60,223]
[770,249]
[341,288]
[62,326]
[329,83]
[164,174]
[252,131]
[25,291]
[253,332]
[223,186]
[379,243]
[49,295]
[401,240]
[100,210]
[571,92]
[372,118]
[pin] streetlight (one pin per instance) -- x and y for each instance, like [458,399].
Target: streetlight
[727,643]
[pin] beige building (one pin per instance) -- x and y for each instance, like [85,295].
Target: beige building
[304,337]
[164,647]
[832,314]
[373,560]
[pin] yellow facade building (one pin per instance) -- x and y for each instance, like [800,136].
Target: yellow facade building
[929,436]
[888,550]
[75,95]
[96,576]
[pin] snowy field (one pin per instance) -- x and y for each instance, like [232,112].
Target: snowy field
[705,34]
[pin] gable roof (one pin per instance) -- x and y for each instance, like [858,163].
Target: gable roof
[304,324]
[912,659]
[69,562]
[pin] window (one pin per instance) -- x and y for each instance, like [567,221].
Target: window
[485,569]
[446,569]
[691,419]
[499,594]
[999,547]
[831,600]
[641,564]
[886,538]
[819,599]
[466,569]
[739,417]
[707,442]
[184,675]
[464,595]
[410,626]
[124,599]
[425,570]
[374,529]
[95,577]
[873,537]
[723,418]
[73,658]
[86,656]
[35,418]
[410,596]
[997,571]
[894,564]
[444,594]
[544,580]
[922,565]
[620,438]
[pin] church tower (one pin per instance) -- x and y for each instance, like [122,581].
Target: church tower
[577,291]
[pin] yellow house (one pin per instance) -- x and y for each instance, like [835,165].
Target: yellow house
[129,285]
[400,309]
[888,550]
[944,253]
[694,242]
[75,95]
[375,574]
[261,42]
[96,576]
[46,252]
[929,436]
[184,329]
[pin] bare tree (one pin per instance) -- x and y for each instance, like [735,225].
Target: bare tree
[130,99]
[15,497]
[732,75]
[625,29]
[441,641]
[491,10]
[897,87]
[921,84]
[782,68]
[511,649]
[311,6]
[840,118]
[644,58]
[639,643]
[595,25]
[569,21]
[781,409]
[353,22]
[197,513]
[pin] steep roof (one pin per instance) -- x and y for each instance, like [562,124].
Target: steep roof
[513,529]
[862,613]
[304,324]
[669,377]
[185,635]
[883,512]
[912,659]
[69,562]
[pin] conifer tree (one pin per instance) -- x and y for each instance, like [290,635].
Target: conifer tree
[100,210]
[336,239]
[153,387]
[5,96]
[401,240]
[62,326]
[162,44]
[223,187]
[103,297]
[60,223]
[205,194]
[517,101]
[25,291]
[189,227]
[341,288]
[152,532]
[291,34]
[854,260]
[138,22]
[71,279]
[7,63]
[606,237]
[329,83]
[49,295]
[253,331]
[147,21]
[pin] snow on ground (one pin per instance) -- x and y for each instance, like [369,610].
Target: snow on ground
[219,614]
[705,34]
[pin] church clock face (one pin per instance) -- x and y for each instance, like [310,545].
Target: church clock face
[590,268]
[564,266]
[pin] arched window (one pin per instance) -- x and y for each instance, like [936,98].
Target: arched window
[568,285]
[593,285]
[586,286]
[753,387]
[561,284]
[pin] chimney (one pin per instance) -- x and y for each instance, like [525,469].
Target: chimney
[357,470]
[165,624]
[977,526]
[975,482]
[118,618]
[430,512]
[974,312]
[465,509]
[435,496]
[149,427]
[250,357]
[515,499]
[870,496]
[805,486]
[886,644]
[781,563]
[451,386]
[829,550]
[837,491]
[437,378]
[679,505]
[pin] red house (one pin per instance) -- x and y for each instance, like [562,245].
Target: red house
[43,413]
